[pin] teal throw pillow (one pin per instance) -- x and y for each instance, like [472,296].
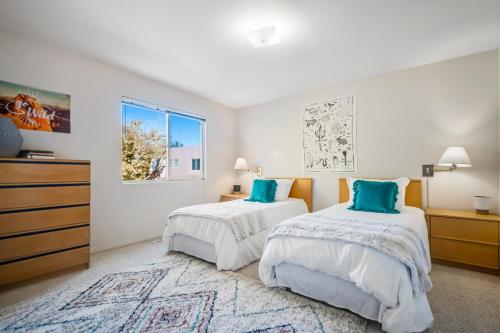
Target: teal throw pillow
[263,190]
[376,197]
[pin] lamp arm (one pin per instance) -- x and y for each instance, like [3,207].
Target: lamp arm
[444,168]
[257,170]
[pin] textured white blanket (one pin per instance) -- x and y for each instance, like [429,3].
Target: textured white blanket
[394,240]
[243,221]
[231,253]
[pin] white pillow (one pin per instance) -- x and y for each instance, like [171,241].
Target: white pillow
[402,183]
[283,189]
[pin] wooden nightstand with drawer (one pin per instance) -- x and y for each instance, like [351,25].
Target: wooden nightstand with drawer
[233,196]
[464,239]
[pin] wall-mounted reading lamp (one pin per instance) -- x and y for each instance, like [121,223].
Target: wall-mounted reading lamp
[241,164]
[453,157]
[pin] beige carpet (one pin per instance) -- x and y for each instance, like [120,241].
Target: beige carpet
[462,301]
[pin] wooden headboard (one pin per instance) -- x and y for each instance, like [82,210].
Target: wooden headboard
[413,192]
[301,189]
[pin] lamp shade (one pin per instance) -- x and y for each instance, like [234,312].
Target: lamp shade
[241,164]
[455,156]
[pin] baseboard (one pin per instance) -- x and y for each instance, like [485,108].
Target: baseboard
[95,249]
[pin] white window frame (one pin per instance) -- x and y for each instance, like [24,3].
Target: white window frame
[168,111]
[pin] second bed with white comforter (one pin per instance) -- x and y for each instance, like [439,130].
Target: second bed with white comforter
[231,234]
[369,273]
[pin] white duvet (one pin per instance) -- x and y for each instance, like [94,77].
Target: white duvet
[232,254]
[373,272]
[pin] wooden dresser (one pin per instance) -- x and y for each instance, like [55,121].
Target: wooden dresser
[44,217]
[464,239]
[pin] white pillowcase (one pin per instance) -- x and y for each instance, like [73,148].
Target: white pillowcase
[283,189]
[402,183]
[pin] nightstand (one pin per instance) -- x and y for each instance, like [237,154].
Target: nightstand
[233,196]
[464,239]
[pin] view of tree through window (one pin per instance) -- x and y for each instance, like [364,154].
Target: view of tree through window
[158,144]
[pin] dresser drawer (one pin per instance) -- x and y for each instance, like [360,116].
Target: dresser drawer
[40,196]
[42,218]
[464,229]
[21,246]
[43,172]
[465,252]
[25,269]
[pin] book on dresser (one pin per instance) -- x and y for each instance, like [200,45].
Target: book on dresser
[37,154]
[44,217]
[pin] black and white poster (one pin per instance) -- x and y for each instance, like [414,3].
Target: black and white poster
[330,135]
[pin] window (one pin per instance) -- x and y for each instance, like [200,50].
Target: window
[160,144]
[195,164]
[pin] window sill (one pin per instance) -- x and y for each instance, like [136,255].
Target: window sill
[166,181]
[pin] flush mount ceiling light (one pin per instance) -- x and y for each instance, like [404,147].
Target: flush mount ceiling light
[266,36]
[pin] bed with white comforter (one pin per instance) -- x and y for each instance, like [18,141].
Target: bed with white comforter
[231,234]
[385,257]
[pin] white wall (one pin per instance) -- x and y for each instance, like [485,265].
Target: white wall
[121,213]
[404,119]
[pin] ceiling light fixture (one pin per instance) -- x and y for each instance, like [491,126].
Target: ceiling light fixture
[266,36]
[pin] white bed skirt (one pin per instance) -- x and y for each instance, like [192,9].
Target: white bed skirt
[194,247]
[340,293]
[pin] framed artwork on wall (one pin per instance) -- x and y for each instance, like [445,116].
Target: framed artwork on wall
[329,135]
[35,109]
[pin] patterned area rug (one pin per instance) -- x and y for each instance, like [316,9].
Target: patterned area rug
[179,294]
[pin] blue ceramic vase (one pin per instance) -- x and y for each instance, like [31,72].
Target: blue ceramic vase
[11,139]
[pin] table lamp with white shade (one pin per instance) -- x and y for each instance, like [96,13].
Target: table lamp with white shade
[241,164]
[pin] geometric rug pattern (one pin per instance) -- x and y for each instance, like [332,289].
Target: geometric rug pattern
[179,294]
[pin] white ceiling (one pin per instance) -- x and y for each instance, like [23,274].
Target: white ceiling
[200,46]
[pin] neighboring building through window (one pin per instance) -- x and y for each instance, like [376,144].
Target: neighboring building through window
[160,144]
